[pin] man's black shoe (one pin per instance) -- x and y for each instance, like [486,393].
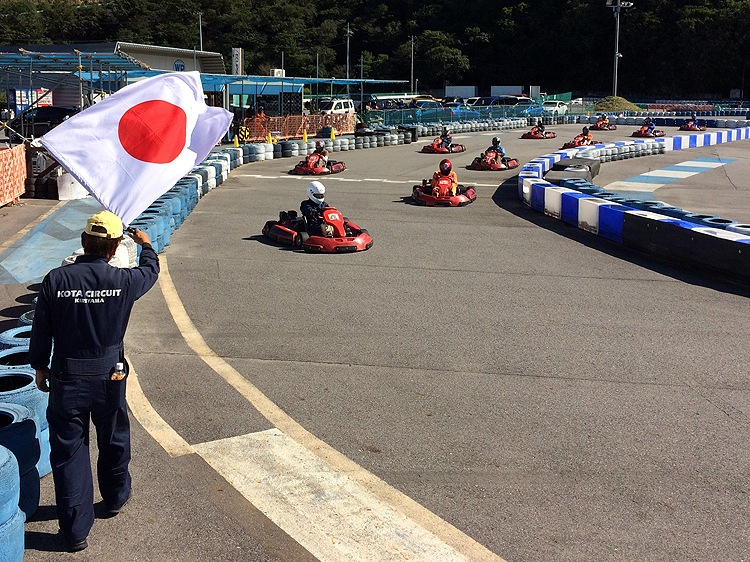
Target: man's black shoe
[76,546]
[113,511]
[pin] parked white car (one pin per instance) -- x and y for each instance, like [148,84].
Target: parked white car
[336,106]
[555,107]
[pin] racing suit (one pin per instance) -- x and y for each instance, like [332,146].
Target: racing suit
[85,308]
[313,213]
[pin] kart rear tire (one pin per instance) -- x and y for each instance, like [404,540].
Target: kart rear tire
[300,239]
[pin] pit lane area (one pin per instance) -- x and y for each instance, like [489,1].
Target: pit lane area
[549,394]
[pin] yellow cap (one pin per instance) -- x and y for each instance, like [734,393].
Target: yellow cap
[104,225]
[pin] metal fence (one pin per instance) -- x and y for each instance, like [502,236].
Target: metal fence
[391,117]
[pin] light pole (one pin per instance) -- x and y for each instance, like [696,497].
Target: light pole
[411,82]
[617,6]
[200,28]
[348,34]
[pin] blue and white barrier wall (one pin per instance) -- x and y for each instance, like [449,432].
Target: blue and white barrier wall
[718,250]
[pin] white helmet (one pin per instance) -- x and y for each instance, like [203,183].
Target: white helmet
[316,191]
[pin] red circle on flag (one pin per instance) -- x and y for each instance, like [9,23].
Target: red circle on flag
[153,131]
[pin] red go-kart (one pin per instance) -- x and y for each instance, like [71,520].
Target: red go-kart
[643,132]
[440,195]
[291,230]
[602,126]
[315,165]
[436,147]
[579,140]
[535,133]
[491,160]
[693,127]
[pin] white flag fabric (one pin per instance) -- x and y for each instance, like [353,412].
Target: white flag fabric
[130,148]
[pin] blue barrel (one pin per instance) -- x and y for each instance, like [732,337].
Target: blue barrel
[659,121]
[679,122]
[669,121]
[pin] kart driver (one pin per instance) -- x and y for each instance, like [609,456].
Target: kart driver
[691,123]
[603,120]
[445,138]
[497,149]
[320,150]
[648,126]
[312,210]
[444,170]
[538,129]
[586,137]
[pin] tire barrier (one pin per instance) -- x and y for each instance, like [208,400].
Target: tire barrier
[12,541]
[705,241]
[10,484]
[18,386]
[18,433]
[26,319]
[14,358]
[15,337]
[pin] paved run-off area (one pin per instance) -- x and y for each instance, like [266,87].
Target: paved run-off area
[546,394]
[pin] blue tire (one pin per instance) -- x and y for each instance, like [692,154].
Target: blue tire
[44,466]
[15,337]
[12,538]
[15,358]
[18,386]
[26,319]
[18,433]
[10,484]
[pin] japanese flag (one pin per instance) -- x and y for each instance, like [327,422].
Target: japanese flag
[130,148]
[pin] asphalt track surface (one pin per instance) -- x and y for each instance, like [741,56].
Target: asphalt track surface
[550,394]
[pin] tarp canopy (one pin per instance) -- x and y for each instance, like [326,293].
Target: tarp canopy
[32,61]
[224,79]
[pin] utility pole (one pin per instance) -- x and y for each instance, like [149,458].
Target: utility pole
[411,80]
[348,34]
[200,28]
[617,6]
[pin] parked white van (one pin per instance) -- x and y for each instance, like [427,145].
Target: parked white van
[327,106]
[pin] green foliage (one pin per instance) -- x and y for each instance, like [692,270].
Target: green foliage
[670,48]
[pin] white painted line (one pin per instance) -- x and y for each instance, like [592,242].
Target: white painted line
[328,513]
[632,186]
[668,174]
[699,164]
[372,179]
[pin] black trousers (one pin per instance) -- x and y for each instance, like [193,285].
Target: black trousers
[74,401]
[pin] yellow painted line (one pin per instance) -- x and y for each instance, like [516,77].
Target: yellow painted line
[8,243]
[151,421]
[450,535]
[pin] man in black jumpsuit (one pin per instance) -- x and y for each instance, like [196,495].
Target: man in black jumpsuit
[85,308]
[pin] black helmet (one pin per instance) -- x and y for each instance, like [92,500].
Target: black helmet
[495,141]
